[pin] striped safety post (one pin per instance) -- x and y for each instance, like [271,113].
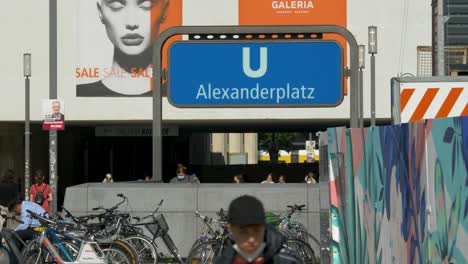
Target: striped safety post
[432,102]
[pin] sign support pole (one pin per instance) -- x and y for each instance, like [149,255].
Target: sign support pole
[158,71]
[440,38]
[53,179]
[27,144]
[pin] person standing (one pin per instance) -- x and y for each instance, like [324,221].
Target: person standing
[40,192]
[238,179]
[282,179]
[108,179]
[253,241]
[269,179]
[182,176]
[309,178]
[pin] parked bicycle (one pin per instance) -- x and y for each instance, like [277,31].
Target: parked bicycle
[299,239]
[9,252]
[157,226]
[121,227]
[56,245]
[211,243]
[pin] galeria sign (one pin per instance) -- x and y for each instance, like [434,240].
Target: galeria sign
[306,74]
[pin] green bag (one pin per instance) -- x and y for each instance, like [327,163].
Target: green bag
[272,218]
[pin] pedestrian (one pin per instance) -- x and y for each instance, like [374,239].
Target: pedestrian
[309,178]
[282,179]
[147,178]
[253,241]
[25,230]
[269,179]
[238,179]
[9,177]
[108,178]
[182,176]
[9,189]
[40,192]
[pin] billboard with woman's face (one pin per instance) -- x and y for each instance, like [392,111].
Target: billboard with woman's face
[115,39]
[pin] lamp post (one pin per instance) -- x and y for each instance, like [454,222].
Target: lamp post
[372,50]
[27,132]
[362,65]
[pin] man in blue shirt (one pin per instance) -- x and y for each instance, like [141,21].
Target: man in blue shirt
[25,230]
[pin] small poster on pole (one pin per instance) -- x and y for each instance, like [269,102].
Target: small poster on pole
[310,150]
[53,117]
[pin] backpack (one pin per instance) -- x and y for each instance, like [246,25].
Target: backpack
[39,198]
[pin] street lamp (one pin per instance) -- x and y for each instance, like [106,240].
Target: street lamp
[27,132]
[372,50]
[362,65]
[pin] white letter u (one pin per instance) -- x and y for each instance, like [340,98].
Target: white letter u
[263,63]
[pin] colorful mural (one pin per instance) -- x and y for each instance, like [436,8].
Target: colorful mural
[399,194]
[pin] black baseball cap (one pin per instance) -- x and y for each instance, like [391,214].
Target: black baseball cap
[246,210]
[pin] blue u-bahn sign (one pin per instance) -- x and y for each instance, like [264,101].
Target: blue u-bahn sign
[280,74]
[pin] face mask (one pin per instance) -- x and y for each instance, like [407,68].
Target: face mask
[252,256]
[180,177]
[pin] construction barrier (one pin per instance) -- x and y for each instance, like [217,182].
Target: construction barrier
[399,194]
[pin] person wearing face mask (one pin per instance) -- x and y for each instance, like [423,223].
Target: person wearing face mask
[108,178]
[309,178]
[253,241]
[182,176]
[40,192]
[269,179]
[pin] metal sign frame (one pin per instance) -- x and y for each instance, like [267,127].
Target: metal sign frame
[355,93]
[168,82]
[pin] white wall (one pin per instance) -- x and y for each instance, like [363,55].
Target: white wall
[25,29]
[388,16]
[25,23]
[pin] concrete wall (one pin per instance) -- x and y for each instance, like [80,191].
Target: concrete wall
[403,25]
[181,201]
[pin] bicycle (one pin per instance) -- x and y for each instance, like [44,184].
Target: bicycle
[131,233]
[108,231]
[298,238]
[9,252]
[158,228]
[51,247]
[211,243]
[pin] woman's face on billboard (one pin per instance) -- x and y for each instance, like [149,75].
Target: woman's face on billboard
[129,22]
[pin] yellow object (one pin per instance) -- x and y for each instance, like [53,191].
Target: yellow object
[286,156]
[39,229]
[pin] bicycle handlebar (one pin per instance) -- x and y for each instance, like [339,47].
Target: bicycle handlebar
[40,218]
[113,208]
[297,207]
[207,220]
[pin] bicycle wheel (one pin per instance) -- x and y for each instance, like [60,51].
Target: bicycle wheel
[146,251]
[314,243]
[4,256]
[34,256]
[204,252]
[302,249]
[119,252]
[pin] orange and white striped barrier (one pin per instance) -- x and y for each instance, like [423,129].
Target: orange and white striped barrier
[420,101]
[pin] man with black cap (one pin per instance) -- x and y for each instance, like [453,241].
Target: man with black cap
[254,242]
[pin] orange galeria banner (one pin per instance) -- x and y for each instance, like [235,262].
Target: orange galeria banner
[296,12]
